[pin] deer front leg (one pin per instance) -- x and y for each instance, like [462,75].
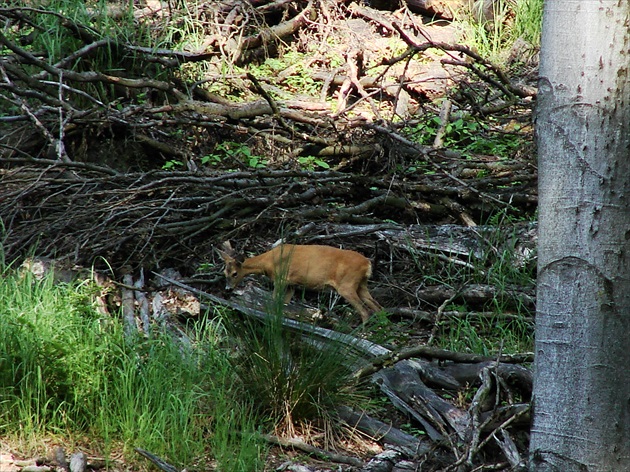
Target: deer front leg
[288,293]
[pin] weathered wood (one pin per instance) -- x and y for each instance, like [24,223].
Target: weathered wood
[128,311]
[158,461]
[384,432]
[478,295]
[407,390]
[312,450]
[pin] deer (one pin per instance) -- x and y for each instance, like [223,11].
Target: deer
[310,266]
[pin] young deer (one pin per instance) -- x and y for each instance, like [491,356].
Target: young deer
[313,267]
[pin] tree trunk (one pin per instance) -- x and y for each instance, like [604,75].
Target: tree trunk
[582,376]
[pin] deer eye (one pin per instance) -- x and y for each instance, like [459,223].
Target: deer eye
[234,275]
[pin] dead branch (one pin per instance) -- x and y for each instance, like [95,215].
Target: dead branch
[412,446]
[498,78]
[312,450]
[460,375]
[158,461]
[249,46]
[478,295]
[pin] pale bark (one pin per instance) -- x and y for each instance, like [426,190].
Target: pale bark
[582,380]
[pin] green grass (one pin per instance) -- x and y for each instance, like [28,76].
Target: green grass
[486,336]
[66,371]
[61,27]
[528,21]
[53,33]
[512,20]
[506,324]
[293,381]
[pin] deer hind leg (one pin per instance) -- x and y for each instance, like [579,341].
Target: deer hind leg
[367,299]
[352,297]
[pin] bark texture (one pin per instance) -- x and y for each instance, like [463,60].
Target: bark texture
[582,381]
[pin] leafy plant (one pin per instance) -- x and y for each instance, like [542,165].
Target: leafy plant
[255,162]
[467,135]
[310,162]
[299,79]
[233,151]
[172,164]
[212,159]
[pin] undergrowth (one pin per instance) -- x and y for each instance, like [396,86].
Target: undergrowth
[494,34]
[62,27]
[511,31]
[468,135]
[504,323]
[67,371]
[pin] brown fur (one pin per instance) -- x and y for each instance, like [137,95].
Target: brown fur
[313,267]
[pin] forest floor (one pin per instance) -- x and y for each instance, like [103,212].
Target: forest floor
[364,129]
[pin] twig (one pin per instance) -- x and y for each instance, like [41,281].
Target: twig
[159,462]
[392,358]
[503,83]
[445,115]
[312,450]
[438,316]
[419,149]
[270,101]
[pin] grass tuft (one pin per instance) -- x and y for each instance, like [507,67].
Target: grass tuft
[293,381]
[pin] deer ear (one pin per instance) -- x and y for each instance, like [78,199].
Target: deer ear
[224,255]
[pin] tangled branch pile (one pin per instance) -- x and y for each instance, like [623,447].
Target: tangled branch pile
[83,148]
[148,218]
